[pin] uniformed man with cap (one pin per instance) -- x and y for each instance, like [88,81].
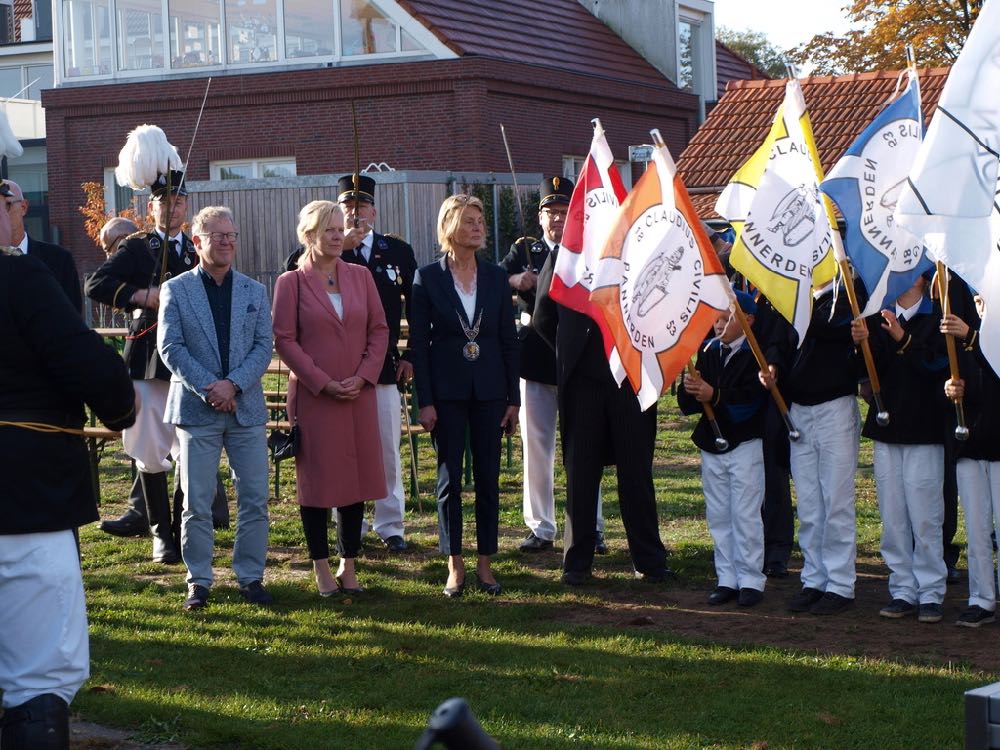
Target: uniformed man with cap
[130,280]
[392,264]
[538,371]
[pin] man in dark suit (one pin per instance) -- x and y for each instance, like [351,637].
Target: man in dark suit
[538,372]
[393,265]
[52,366]
[130,280]
[56,259]
[601,424]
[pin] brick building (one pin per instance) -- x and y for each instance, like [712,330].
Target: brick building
[430,80]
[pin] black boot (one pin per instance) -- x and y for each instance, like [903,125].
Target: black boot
[40,724]
[154,487]
[132,522]
[220,506]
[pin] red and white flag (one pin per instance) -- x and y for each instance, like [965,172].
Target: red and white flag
[659,283]
[592,209]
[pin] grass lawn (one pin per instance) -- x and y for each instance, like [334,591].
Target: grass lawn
[615,664]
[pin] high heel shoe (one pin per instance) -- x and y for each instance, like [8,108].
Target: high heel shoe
[453,592]
[491,589]
[344,590]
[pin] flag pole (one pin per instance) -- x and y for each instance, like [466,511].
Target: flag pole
[721,444]
[961,431]
[793,433]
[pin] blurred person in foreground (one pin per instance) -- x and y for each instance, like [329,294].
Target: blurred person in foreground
[52,366]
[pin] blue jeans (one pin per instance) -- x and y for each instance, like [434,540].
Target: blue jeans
[201,450]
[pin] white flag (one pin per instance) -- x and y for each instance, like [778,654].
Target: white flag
[951,195]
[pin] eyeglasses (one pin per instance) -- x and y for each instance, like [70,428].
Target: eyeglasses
[220,236]
[555,213]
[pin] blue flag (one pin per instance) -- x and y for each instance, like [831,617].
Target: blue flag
[866,184]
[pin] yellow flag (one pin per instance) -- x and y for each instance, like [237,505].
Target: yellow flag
[783,235]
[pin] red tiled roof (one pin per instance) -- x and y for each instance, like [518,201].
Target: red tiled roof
[731,66]
[556,33]
[840,107]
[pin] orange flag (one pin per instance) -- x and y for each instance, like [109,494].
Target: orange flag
[659,282]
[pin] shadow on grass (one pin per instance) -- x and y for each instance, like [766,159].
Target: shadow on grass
[316,673]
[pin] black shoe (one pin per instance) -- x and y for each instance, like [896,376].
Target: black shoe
[575,577]
[897,609]
[344,589]
[219,524]
[129,524]
[929,612]
[831,604]
[776,569]
[722,595]
[492,589]
[600,546]
[656,576]
[954,575]
[197,597]
[39,724]
[395,543]
[750,597]
[453,592]
[803,601]
[975,616]
[533,543]
[255,593]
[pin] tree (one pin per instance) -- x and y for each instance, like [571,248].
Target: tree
[754,47]
[937,29]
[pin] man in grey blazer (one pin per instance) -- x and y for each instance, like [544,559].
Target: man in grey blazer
[214,334]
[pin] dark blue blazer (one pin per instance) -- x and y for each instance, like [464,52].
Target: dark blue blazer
[436,338]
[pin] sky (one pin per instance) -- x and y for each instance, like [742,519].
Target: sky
[786,23]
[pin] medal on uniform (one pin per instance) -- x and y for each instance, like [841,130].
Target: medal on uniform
[187,259]
[471,349]
[390,272]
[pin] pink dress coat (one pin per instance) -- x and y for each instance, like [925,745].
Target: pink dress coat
[340,459]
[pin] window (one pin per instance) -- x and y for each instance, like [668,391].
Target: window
[309,28]
[251,28]
[116,197]
[572,165]
[140,34]
[687,70]
[256,169]
[195,33]
[43,20]
[7,23]
[86,38]
[25,81]
[366,30]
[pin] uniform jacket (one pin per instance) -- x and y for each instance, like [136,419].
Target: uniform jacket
[340,459]
[437,338]
[738,402]
[912,374]
[186,339]
[538,361]
[60,261]
[137,266]
[52,365]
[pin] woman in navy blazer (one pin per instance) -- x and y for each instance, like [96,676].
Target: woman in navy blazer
[465,360]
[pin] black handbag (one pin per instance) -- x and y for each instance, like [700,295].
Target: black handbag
[285,444]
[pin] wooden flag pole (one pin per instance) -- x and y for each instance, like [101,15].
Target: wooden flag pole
[961,431]
[881,414]
[793,433]
[721,444]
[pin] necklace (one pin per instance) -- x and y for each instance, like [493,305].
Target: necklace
[330,280]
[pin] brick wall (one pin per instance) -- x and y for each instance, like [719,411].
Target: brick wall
[441,115]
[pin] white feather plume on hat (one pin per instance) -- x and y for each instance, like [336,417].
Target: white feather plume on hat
[8,141]
[146,155]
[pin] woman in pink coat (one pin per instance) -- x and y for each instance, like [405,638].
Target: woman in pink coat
[329,328]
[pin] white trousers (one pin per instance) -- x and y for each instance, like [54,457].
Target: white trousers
[151,441]
[43,618]
[824,461]
[734,492]
[390,509]
[910,484]
[979,491]
[537,419]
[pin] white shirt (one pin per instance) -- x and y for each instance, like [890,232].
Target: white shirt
[734,347]
[178,238]
[23,247]
[365,248]
[910,311]
[468,302]
[338,303]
